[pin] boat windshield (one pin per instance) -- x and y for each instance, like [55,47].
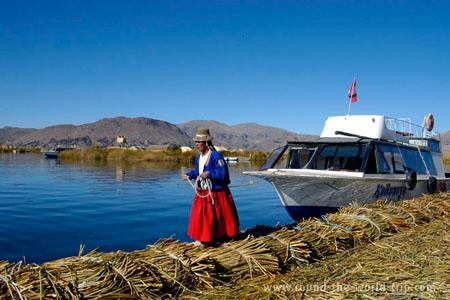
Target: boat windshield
[299,156]
[273,158]
[339,157]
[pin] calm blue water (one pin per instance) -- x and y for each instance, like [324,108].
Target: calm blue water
[47,209]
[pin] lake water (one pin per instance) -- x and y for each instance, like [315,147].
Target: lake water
[47,208]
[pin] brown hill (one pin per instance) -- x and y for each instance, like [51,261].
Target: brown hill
[146,131]
[9,134]
[138,131]
[249,136]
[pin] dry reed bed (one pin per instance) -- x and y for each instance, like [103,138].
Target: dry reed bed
[174,154]
[170,268]
[414,264]
[447,159]
[97,153]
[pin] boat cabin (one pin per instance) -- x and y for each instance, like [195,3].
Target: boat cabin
[368,144]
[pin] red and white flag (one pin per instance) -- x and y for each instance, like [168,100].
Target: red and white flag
[352,92]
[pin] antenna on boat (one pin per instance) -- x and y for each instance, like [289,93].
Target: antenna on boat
[352,95]
[352,135]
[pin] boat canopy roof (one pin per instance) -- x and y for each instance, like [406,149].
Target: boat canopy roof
[375,127]
[365,128]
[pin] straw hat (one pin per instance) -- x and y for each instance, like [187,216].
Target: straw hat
[202,135]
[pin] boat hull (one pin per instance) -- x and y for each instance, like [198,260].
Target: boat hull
[51,155]
[318,193]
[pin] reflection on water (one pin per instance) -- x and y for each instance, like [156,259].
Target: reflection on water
[49,208]
[119,173]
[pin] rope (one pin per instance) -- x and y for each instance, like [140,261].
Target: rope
[232,186]
[325,219]
[205,184]
[423,160]
[405,167]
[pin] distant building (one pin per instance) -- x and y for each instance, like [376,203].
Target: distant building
[220,148]
[185,149]
[121,140]
[5,146]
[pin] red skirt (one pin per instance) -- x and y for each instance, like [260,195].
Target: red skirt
[210,222]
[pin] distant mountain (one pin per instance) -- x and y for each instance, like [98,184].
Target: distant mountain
[249,136]
[138,131]
[9,134]
[145,132]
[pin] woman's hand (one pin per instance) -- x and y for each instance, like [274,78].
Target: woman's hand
[204,175]
[185,177]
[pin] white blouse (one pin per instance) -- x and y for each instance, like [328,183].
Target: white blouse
[202,161]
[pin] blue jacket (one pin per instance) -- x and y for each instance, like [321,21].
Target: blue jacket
[217,168]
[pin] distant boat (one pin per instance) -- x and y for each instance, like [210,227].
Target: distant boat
[231,159]
[51,154]
[237,158]
[54,153]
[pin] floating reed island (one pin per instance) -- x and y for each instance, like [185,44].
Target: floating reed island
[389,242]
[412,264]
[11,149]
[171,154]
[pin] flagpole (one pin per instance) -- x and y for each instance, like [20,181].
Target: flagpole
[350,98]
[349,104]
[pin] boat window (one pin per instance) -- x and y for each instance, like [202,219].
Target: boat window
[434,146]
[413,160]
[340,158]
[371,166]
[393,158]
[384,165]
[273,158]
[299,157]
[323,160]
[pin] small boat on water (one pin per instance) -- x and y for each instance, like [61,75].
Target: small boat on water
[54,153]
[231,159]
[237,159]
[356,159]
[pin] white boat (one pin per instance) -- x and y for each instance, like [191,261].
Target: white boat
[236,159]
[51,154]
[356,159]
[54,153]
[231,159]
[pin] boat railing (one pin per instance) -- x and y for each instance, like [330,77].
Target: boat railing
[406,128]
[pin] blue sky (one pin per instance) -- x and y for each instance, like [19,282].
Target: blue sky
[287,64]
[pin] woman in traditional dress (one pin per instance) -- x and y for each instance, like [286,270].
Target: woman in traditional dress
[213,214]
